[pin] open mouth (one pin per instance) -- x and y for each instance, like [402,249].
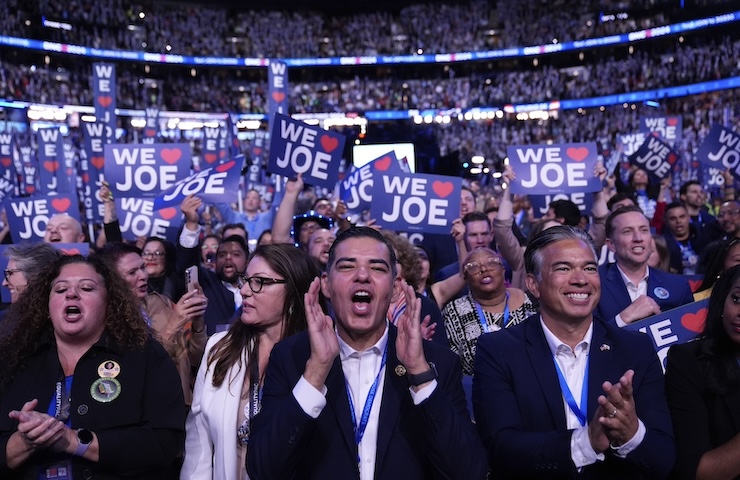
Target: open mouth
[361,301]
[72,313]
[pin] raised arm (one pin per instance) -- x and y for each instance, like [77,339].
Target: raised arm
[283,220]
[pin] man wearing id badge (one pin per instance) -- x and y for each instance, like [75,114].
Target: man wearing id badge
[563,395]
[358,397]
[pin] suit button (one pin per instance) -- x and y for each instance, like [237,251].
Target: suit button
[82,409]
[87,474]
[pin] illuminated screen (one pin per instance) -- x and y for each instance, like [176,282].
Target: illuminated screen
[362,154]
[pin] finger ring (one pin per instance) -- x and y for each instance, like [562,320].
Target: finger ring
[613,414]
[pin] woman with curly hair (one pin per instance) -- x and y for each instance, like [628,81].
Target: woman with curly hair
[84,388]
[702,384]
[229,382]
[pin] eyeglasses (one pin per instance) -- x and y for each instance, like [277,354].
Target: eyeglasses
[727,213]
[152,254]
[9,272]
[491,263]
[210,247]
[256,283]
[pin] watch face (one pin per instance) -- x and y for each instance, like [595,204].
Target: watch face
[84,436]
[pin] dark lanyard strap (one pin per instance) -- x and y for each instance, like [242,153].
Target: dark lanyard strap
[255,393]
[62,398]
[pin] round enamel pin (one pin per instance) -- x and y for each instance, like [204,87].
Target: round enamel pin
[661,293]
[109,369]
[105,390]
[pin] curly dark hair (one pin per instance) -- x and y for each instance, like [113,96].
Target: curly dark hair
[407,256]
[717,352]
[295,266]
[29,321]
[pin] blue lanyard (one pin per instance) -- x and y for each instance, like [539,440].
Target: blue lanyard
[360,429]
[482,315]
[579,412]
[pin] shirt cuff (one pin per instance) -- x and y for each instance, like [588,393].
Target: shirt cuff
[634,442]
[423,393]
[581,451]
[620,323]
[311,400]
[188,238]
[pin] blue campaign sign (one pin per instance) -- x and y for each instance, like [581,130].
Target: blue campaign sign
[415,202]
[53,175]
[277,79]
[92,164]
[630,143]
[28,216]
[550,169]
[138,218]
[145,170]
[104,91]
[668,128]
[297,147]
[28,167]
[214,146]
[673,327]
[151,127]
[355,190]
[721,149]
[656,157]
[213,185]
[541,203]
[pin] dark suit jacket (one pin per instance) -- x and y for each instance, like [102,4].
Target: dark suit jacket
[519,407]
[615,298]
[432,440]
[702,419]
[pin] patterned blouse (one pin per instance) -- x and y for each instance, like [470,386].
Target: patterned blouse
[464,327]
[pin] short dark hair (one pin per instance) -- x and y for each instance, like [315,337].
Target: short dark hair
[475,197]
[474,216]
[685,187]
[113,251]
[361,232]
[673,205]
[534,256]
[618,197]
[567,210]
[615,214]
[236,239]
[240,226]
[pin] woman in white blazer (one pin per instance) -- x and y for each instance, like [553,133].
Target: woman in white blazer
[229,382]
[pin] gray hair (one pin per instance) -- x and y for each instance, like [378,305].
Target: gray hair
[534,256]
[31,258]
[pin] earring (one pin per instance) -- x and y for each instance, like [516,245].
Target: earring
[290,310]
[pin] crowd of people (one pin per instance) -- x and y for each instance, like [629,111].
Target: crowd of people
[212,31]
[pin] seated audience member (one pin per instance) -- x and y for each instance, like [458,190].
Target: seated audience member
[265,238]
[442,291]
[63,228]
[631,289]
[254,221]
[179,327]
[694,199]
[488,307]
[25,261]
[729,218]
[235,229]
[312,384]
[230,379]
[221,287]
[208,249]
[319,244]
[563,394]
[304,225]
[160,257]
[702,381]
[296,229]
[716,258]
[659,256]
[645,193]
[683,239]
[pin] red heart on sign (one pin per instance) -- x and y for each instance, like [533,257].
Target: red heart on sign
[51,166]
[257,150]
[222,154]
[225,166]
[209,157]
[97,162]
[70,251]
[105,101]
[61,204]
[278,96]
[694,284]
[150,132]
[329,144]
[673,121]
[383,164]
[6,161]
[171,155]
[168,213]
[442,189]
[695,321]
[671,158]
[577,153]
[85,178]
[30,188]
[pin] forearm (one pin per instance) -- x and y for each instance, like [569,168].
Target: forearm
[283,219]
[722,462]
[17,451]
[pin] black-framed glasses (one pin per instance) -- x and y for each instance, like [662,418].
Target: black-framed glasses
[8,272]
[256,283]
[153,254]
[491,263]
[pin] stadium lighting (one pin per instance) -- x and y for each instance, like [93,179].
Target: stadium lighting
[475,170]
[478,159]
[497,174]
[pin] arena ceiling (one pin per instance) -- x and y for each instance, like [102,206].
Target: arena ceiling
[328,6]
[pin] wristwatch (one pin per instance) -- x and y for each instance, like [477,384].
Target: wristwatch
[85,438]
[428,376]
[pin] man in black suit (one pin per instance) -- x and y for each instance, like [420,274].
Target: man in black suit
[358,397]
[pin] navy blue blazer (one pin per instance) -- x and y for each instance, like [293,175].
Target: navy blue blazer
[435,439]
[520,413]
[667,289]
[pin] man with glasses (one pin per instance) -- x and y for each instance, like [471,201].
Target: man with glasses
[357,397]
[729,218]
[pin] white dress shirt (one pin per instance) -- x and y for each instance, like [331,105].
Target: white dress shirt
[634,291]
